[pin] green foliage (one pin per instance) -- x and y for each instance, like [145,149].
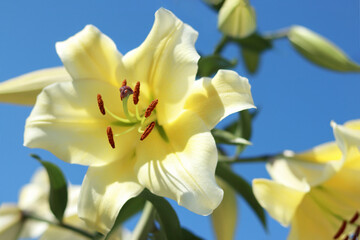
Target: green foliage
[243,188]
[209,65]
[58,196]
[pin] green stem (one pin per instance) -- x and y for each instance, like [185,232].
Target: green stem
[262,158]
[59,224]
[145,224]
[282,33]
[220,46]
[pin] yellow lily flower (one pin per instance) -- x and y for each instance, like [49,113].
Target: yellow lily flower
[317,191]
[33,200]
[159,140]
[24,89]
[237,18]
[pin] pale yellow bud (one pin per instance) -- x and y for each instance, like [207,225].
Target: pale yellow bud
[237,18]
[320,51]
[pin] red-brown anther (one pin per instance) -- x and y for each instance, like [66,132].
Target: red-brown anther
[136,93]
[101,104]
[354,218]
[124,83]
[346,237]
[151,108]
[356,234]
[110,136]
[147,131]
[341,230]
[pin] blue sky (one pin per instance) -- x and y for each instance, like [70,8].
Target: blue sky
[297,100]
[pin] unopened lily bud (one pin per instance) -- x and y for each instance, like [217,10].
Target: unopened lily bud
[237,18]
[320,51]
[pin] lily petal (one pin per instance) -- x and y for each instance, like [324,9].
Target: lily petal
[10,222]
[296,173]
[183,168]
[311,222]
[224,217]
[168,63]
[66,111]
[105,190]
[271,194]
[25,88]
[214,99]
[90,54]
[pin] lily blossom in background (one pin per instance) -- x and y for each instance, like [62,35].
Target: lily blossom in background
[24,89]
[317,191]
[138,121]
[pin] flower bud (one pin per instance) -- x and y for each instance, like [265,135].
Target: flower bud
[237,18]
[320,51]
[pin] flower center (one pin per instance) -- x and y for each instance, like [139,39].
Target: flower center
[132,120]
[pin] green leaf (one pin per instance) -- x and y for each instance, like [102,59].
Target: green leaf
[251,59]
[130,208]
[58,196]
[169,222]
[242,128]
[222,136]
[320,50]
[209,65]
[243,188]
[254,42]
[188,235]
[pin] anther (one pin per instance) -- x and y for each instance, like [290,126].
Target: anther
[356,234]
[136,93]
[147,131]
[151,108]
[354,218]
[346,237]
[124,83]
[101,104]
[110,136]
[341,230]
[125,91]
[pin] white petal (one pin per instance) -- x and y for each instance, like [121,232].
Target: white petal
[297,173]
[10,222]
[182,168]
[165,64]
[280,201]
[66,121]
[90,54]
[25,88]
[105,190]
[214,99]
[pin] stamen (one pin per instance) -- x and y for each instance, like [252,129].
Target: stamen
[341,230]
[136,93]
[101,104]
[125,91]
[354,218]
[124,83]
[151,108]
[356,234]
[110,136]
[346,237]
[147,131]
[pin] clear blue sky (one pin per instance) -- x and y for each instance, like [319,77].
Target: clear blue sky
[297,100]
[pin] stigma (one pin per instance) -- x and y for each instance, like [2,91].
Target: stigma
[138,120]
